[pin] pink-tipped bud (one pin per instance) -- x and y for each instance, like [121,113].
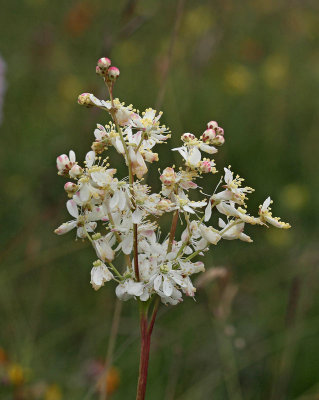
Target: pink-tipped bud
[212,125]
[113,73]
[206,166]
[220,131]
[219,140]
[168,176]
[75,171]
[104,63]
[70,187]
[63,163]
[84,100]
[187,137]
[209,135]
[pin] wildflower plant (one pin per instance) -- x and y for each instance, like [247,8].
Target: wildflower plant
[122,215]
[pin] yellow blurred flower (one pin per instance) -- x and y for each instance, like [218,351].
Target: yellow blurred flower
[53,392]
[294,196]
[275,71]
[198,21]
[16,374]
[279,237]
[128,53]
[238,78]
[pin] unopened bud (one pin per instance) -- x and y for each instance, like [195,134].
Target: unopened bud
[212,125]
[164,205]
[70,187]
[104,63]
[168,176]
[205,166]
[75,171]
[113,73]
[187,137]
[149,156]
[209,135]
[98,147]
[84,100]
[220,131]
[219,140]
[63,163]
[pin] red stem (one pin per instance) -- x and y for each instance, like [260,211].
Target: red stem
[146,333]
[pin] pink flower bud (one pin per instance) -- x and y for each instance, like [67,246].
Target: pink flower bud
[104,63]
[205,166]
[187,137]
[219,140]
[168,176]
[63,163]
[212,125]
[75,171]
[70,187]
[209,135]
[113,73]
[220,131]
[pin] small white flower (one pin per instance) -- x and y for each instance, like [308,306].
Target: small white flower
[128,289]
[266,215]
[99,275]
[82,222]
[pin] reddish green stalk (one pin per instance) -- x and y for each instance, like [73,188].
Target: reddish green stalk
[146,333]
[172,232]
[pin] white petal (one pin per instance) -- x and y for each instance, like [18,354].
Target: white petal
[119,146]
[84,193]
[72,156]
[221,223]
[121,293]
[72,208]
[228,175]
[122,200]
[114,200]
[90,158]
[208,149]
[66,227]
[137,216]
[195,156]
[167,287]
[208,211]
[127,244]
[158,282]
[188,209]
[135,288]
[266,204]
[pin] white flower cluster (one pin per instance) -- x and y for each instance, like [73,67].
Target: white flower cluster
[121,215]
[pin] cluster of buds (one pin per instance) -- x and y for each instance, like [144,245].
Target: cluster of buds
[214,134]
[105,70]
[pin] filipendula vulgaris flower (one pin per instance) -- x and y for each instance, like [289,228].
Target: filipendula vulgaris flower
[122,216]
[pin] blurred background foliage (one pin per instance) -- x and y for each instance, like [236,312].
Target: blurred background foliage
[253,332]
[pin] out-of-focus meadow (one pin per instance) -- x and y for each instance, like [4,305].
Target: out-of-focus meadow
[253,332]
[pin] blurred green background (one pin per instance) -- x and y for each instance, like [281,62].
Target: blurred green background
[253,66]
